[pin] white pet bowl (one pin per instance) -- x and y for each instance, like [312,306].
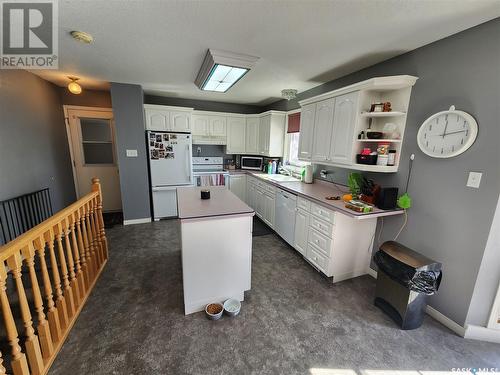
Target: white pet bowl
[232,307]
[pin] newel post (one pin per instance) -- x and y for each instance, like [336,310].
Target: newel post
[96,186]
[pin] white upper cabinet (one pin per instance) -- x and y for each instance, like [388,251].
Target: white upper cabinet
[323,125]
[271,134]
[306,131]
[201,125]
[252,135]
[236,127]
[165,118]
[344,123]
[180,121]
[218,126]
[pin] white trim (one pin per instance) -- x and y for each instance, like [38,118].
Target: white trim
[494,320]
[481,333]
[137,221]
[168,107]
[441,318]
[85,108]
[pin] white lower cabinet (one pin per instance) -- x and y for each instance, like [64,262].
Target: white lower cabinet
[238,186]
[301,230]
[335,244]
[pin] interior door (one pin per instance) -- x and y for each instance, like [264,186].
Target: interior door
[92,145]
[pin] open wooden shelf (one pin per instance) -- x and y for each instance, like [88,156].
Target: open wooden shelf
[383,114]
[380,140]
[375,168]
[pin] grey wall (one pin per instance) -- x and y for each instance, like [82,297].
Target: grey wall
[130,134]
[203,105]
[34,151]
[88,98]
[448,221]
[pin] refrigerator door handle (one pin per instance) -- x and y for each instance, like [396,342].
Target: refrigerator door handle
[188,164]
[163,188]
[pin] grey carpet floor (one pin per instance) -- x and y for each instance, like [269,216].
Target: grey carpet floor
[293,321]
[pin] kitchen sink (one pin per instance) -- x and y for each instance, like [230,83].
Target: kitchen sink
[279,178]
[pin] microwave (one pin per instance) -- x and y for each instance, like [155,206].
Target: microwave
[252,162]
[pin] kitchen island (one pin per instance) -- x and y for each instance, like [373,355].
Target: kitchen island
[216,243]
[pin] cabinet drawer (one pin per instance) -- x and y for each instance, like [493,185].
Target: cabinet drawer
[317,258]
[323,213]
[304,204]
[322,242]
[322,226]
[270,189]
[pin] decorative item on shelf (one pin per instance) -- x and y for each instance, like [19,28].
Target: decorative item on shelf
[386,107]
[374,135]
[377,107]
[367,156]
[390,131]
[205,194]
[289,94]
[361,135]
[383,148]
[392,158]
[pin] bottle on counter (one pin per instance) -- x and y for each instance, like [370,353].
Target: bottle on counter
[275,166]
[270,167]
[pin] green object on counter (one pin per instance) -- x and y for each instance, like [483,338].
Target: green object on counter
[404,201]
[354,182]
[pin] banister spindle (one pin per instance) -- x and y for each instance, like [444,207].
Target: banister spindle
[87,244]
[2,368]
[68,293]
[97,234]
[32,345]
[71,264]
[91,253]
[60,300]
[67,267]
[42,328]
[95,242]
[52,313]
[76,254]
[81,248]
[18,360]
[96,186]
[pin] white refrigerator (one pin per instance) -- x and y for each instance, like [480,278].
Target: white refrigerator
[170,167]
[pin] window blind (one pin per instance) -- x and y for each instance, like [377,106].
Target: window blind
[294,123]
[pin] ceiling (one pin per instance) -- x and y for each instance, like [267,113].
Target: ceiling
[301,44]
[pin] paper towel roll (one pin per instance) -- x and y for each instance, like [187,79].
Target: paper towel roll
[308,176]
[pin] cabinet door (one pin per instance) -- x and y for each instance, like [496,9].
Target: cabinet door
[218,127]
[264,133]
[201,125]
[344,123]
[157,119]
[258,199]
[250,193]
[180,121]
[323,124]
[306,131]
[269,209]
[237,185]
[301,230]
[236,135]
[252,136]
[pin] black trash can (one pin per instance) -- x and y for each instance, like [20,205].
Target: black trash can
[405,279]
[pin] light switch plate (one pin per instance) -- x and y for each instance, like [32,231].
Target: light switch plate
[474,179]
[131,153]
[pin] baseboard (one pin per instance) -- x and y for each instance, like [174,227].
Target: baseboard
[443,319]
[137,221]
[482,333]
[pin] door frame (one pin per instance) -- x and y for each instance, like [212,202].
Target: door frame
[67,109]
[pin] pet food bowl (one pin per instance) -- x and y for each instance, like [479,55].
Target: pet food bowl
[214,311]
[232,307]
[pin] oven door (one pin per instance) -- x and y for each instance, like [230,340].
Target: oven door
[252,162]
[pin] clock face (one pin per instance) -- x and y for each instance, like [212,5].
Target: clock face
[447,133]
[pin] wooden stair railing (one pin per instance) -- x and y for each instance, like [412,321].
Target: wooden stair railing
[66,254]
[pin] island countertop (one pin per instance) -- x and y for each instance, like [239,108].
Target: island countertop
[221,203]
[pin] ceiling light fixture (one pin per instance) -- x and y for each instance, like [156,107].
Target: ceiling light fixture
[221,70]
[289,94]
[82,36]
[74,87]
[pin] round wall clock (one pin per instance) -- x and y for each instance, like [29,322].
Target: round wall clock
[447,133]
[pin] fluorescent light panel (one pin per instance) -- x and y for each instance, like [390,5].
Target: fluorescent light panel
[221,70]
[223,77]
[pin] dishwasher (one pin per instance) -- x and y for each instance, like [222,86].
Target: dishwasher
[285,215]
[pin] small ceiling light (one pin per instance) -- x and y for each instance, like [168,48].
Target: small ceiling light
[82,36]
[289,94]
[74,87]
[221,70]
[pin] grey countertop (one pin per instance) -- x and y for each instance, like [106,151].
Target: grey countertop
[318,191]
[221,203]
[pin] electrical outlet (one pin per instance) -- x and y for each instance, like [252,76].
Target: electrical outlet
[198,150]
[474,179]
